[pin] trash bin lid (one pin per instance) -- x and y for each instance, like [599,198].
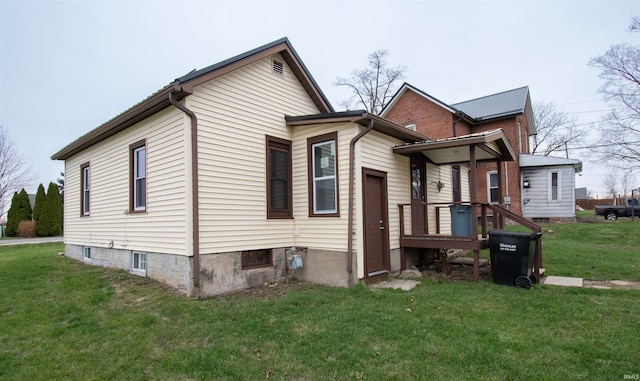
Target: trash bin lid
[504,233]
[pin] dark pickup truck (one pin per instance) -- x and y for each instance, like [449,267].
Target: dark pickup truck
[612,212]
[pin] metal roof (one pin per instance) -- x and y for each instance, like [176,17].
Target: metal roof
[496,105]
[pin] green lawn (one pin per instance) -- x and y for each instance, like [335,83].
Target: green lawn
[63,320]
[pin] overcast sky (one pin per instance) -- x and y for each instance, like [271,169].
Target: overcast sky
[66,67]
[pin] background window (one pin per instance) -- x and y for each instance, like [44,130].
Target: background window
[85,186]
[554,194]
[456,183]
[278,178]
[492,182]
[323,175]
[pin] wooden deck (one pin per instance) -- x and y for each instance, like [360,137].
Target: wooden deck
[475,242]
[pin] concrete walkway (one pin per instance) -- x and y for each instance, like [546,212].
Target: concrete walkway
[29,241]
[402,284]
[562,281]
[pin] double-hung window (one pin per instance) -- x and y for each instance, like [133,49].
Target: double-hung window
[323,175]
[85,179]
[554,181]
[279,190]
[138,176]
[492,187]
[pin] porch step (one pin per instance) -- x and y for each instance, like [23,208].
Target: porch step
[468,261]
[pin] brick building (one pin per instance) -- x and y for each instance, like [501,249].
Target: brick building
[510,111]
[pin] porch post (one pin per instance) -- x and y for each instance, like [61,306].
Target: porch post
[473,185]
[500,217]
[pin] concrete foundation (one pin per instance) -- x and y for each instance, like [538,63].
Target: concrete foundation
[323,267]
[222,273]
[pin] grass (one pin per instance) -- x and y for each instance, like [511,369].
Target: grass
[64,320]
[606,250]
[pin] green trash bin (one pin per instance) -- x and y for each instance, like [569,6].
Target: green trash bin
[460,220]
[512,257]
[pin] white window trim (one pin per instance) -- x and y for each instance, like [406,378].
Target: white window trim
[141,267]
[550,188]
[86,190]
[136,177]
[489,173]
[86,253]
[316,179]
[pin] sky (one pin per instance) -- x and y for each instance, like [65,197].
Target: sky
[67,67]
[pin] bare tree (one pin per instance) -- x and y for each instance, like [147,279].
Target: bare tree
[611,183]
[627,183]
[635,24]
[373,87]
[619,67]
[555,130]
[14,171]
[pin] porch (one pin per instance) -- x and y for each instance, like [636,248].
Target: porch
[489,146]
[489,216]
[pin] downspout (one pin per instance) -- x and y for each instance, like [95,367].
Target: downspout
[195,218]
[456,122]
[352,157]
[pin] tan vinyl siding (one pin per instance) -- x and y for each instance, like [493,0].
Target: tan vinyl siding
[327,233]
[376,152]
[464,183]
[235,113]
[162,228]
[443,198]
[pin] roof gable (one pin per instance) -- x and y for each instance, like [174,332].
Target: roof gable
[500,105]
[408,87]
[183,87]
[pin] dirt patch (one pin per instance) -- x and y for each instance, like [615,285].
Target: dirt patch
[458,273]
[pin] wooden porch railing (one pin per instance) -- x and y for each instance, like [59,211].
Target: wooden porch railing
[472,242]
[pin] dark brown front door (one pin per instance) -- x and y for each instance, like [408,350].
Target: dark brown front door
[418,197]
[376,250]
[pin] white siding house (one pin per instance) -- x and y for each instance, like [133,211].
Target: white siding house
[548,187]
[214,183]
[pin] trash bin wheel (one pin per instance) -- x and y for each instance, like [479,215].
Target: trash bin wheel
[523,282]
[534,278]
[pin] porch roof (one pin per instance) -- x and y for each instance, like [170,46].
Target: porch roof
[493,147]
[361,117]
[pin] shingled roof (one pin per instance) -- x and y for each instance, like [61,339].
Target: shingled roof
[183,86]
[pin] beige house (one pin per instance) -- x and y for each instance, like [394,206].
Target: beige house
[208,186]
[241,173]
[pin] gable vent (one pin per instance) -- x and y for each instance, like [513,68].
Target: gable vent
[278,67]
